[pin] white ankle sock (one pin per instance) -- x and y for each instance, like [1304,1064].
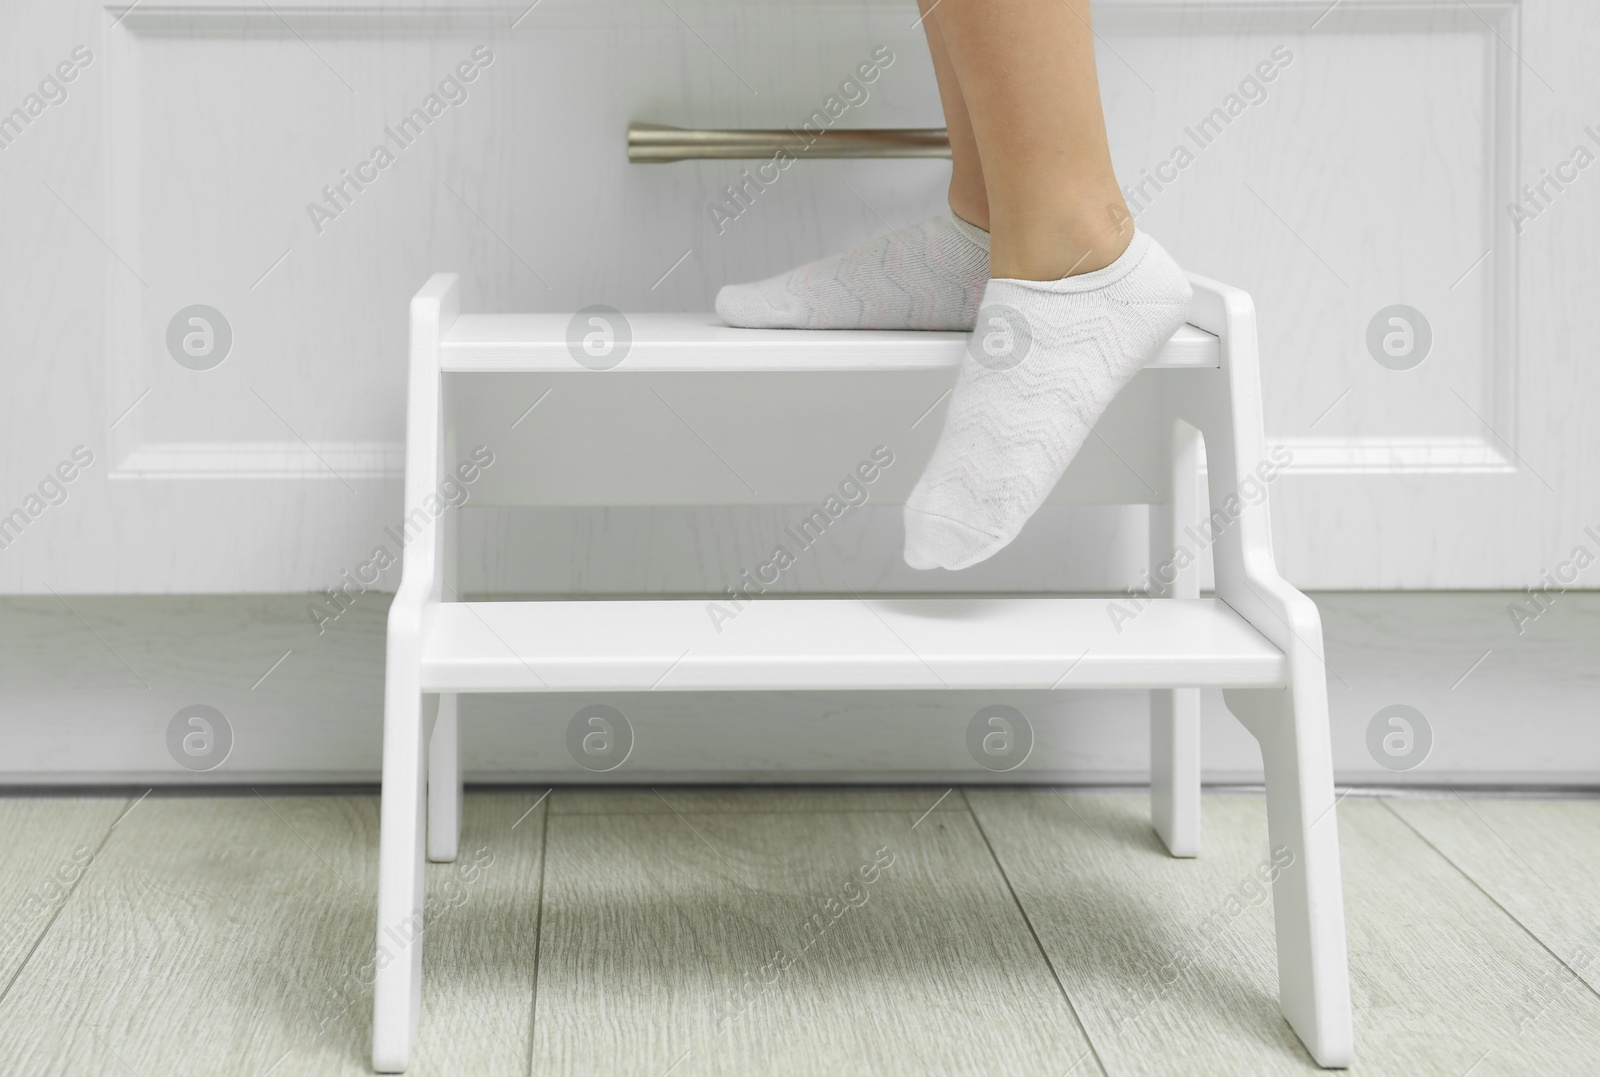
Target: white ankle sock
[1044,363]
[928,276]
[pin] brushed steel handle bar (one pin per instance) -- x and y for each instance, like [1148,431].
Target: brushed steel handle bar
[653,143]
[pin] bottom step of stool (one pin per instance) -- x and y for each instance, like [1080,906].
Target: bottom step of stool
[803,644]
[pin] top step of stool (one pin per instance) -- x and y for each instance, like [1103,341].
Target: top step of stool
[700,342]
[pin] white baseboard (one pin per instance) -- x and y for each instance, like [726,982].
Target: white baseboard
[93,688]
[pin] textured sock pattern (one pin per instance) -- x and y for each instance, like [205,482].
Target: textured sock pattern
[1044,363]
[928,276]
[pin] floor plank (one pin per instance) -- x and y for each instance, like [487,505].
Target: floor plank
[1436,966]
[693,800]
[1539,859]
[235,934]
[230,934]
[479,964]
[47,845]
[675,943]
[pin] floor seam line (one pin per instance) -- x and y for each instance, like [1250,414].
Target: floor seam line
[1037,942]
[746,814]
[538,931]
[1513,917]
[38,941]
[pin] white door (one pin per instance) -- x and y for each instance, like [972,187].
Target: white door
[204,300]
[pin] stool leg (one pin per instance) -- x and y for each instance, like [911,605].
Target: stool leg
[444,783]
[1175,712]
[397,987]
[1175,768]
[1303,835]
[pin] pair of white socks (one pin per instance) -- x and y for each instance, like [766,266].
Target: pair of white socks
[1044,361]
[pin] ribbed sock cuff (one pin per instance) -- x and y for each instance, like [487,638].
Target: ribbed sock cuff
[971,231]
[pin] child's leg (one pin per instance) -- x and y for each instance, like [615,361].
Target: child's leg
[969,198]
[1080,301]
[1027,81]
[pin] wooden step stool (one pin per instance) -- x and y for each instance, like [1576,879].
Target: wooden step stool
[799,410]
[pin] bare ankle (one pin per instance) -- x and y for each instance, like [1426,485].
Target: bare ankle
[972,209]
[1051,246]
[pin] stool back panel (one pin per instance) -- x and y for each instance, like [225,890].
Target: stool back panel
[784,438]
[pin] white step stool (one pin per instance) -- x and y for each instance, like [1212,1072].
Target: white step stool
[780,412]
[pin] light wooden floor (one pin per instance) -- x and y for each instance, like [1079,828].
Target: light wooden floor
[969,931]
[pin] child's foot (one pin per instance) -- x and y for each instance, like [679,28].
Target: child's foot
[928,276]
[1045,361]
